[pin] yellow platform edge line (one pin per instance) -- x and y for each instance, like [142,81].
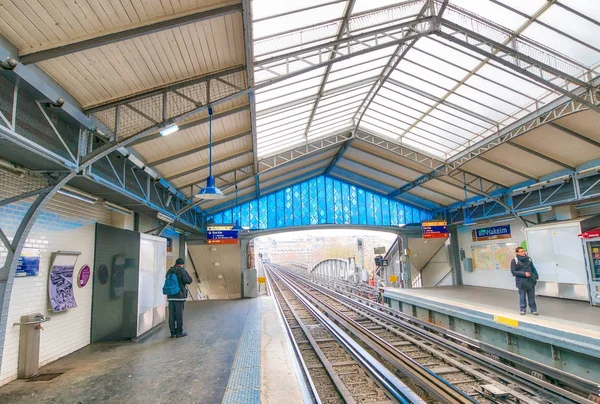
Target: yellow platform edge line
[506,320]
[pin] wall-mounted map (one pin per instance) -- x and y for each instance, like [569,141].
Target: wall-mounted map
[503,255]
[482,257]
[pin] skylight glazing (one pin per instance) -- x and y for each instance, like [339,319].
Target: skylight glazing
[489,64]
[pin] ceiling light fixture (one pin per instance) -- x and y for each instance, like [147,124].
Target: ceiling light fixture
[169,129]
[164,218]
[210,192]
[77,194]
[116,208]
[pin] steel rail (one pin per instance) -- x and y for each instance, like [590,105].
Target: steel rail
[448,337]
[308,384]
[395,387]
[433,384]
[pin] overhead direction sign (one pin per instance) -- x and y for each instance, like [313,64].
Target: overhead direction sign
[435,229]
[221,234]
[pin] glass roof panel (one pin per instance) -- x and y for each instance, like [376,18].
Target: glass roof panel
[561,43]
[497,13]
[329,130]
[292,21]
[441,98]
[588,8]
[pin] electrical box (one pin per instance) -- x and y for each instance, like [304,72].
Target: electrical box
[250,279]
[468,264]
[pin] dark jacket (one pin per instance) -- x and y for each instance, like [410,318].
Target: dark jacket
[184,279]
[519,268]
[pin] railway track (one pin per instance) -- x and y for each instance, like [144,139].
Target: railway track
[435,368]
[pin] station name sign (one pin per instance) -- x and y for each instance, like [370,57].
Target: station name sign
[221,234]
[435,229]
[491,233]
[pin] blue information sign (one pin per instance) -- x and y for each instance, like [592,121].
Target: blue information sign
[435,229]
[222,235]
[29,263]
[491,233]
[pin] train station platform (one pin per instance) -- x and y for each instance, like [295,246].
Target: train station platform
[566,334]
[235,352]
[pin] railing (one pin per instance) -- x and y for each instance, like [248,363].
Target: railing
[418,281]
[451,271]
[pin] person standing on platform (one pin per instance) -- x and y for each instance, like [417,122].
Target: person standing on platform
[526,277]
[177,301]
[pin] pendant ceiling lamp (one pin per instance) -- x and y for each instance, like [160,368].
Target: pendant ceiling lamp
[210,192]
[237,208]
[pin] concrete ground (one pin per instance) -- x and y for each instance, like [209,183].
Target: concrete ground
[194,369]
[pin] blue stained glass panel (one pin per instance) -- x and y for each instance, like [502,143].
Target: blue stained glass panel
[262,213]
[377,210]
[305,206]
[353,204]
[329,199]
[338,206]
[394,213]
[289,207]
[227,216]
[254,214]
[385,211]
[280,198]
[313,201]
[370,208]
[321,200]
[272,209]
[245,216]
[346,203]
[362,206]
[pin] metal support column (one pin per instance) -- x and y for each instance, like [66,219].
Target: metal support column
[8,270]
[455,257]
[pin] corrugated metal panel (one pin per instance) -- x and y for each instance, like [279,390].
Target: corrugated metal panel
[522,161]
[358,144]
[585,123]
[431,196]
[370,173]
[492,172]
[33,25]
[386,166]
[559,145]
[289,179]
[200,175]
[194,137]
[132,66]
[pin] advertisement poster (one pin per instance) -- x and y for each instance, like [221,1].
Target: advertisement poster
[61,281]
[29,262]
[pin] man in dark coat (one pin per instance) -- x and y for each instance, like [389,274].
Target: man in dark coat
[177,301]
[526,277]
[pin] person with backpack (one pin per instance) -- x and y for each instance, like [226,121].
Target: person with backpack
[526,277]
[175,288]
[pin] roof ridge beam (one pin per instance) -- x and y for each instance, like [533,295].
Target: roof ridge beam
[343,29]
[401,51]
[148,28]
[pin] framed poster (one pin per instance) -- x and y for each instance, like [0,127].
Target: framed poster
[60,281]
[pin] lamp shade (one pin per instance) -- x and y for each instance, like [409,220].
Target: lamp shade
[210,192]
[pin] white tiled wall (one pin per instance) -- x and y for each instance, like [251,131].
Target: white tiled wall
[500,279]
[65,224]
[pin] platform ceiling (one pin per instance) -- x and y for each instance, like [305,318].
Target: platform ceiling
[334,87]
